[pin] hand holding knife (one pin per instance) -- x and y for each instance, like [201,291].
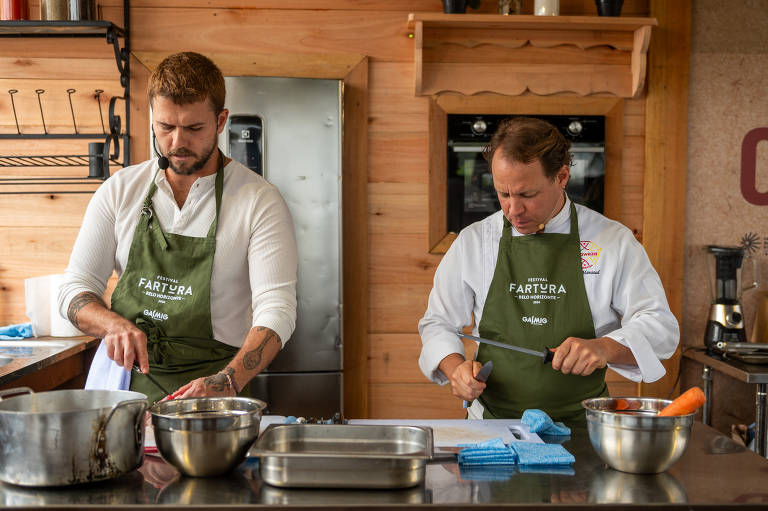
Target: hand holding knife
[482,374]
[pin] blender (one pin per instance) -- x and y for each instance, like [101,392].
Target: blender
[725,327]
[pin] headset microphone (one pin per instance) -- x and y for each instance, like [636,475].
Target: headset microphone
[162,161]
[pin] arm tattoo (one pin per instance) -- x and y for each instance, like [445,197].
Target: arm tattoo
[253,358]
[80,301]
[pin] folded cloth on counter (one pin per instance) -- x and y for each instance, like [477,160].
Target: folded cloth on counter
[530,453]
[14,332]
[490,452]
[539,422]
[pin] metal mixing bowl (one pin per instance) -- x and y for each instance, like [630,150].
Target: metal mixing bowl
[206,436]
[634,439]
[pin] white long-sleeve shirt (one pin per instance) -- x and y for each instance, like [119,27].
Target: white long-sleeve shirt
[624,291]
[253,281]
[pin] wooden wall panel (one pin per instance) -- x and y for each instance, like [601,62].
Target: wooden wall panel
[666,159]
[383,36]
[414,401]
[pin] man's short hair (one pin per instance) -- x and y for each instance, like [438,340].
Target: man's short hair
[527,139]
[188,77]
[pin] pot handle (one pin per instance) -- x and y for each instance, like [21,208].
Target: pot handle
[101,440]
[17,390]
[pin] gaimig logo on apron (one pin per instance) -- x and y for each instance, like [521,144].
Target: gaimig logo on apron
[164,288]
[590,253]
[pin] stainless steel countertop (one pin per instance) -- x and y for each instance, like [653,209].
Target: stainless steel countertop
[748,373]
[701,478]
[33,354]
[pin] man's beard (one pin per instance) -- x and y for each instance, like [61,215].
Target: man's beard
[197,163]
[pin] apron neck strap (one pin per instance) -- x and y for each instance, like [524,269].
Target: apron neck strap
[574,229]
[219,194]
[147,210]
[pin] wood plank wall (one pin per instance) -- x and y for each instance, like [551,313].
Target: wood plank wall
[37,231]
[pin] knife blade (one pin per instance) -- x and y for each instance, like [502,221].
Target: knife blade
[485,371]
[138,370]
[546,356]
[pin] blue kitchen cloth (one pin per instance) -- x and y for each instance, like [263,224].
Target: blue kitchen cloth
[490,452]
[14,332]
[530,453]
[539,422]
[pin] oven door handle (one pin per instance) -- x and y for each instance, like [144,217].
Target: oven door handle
[468,148]
[479,149]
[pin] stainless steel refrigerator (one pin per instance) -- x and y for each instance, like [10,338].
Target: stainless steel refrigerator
[289,130]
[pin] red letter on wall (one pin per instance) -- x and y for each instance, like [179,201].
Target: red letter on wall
[749,167]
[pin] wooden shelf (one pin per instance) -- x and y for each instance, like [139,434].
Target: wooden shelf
[543,55]
[37,28]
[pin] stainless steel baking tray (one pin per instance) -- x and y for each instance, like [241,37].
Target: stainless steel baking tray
[343,455]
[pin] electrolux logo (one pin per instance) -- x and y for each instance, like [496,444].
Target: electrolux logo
[534,320]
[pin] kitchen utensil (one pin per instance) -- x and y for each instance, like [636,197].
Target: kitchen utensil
[54,10]
[485,371]
[67,437]
[609,7]
[726,321]
[82,10]
[206,436]
[14,10]
[545,356]
[635,439]
[138,370]
[343,455]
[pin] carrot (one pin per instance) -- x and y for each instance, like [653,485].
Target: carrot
[622,404]
[688,402]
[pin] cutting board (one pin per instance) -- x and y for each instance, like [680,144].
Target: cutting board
[451,432]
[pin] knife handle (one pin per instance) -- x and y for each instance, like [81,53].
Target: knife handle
[549,356]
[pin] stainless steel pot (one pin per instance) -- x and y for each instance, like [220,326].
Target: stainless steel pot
[70,436]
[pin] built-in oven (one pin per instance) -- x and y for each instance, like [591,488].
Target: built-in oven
[471,195]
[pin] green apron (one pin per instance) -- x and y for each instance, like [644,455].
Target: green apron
[166,290]
[536,300]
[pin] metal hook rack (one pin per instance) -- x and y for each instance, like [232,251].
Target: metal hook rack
[111,138]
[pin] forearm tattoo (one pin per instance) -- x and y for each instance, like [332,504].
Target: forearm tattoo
[253,358]
[80,301]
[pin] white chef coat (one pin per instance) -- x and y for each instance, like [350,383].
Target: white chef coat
[625,294]
[253,281]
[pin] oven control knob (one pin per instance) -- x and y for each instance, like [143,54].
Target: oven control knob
[479,126]
[575,127]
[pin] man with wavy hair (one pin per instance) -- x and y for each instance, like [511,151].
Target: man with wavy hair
[203,248]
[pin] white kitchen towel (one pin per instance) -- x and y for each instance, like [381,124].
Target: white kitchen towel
[40,295]
[105,374]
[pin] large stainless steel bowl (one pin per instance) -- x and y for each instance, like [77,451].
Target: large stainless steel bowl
[206,436]
[629,436]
